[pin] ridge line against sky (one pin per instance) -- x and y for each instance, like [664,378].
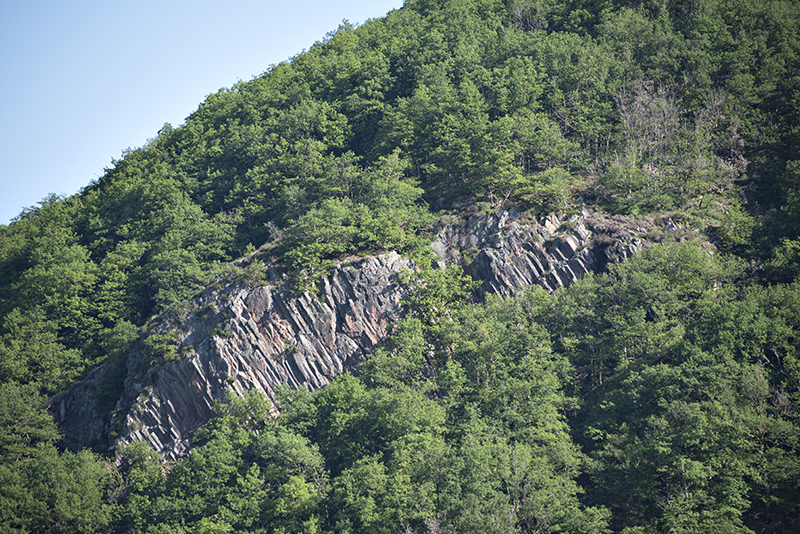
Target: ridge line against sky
[83,81]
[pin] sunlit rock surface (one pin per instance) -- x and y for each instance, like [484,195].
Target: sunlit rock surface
[239,337]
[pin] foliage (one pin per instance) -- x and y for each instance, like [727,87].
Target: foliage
[683,407]
[640,108]
[434,290]
[159,348]
[244,474]
[659,396]
[42,489]
[358,211]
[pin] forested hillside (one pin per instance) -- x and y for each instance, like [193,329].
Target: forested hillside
[659,396]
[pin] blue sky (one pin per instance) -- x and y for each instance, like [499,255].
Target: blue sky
[80,81]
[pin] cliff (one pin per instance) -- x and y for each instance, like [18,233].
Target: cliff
[239,337]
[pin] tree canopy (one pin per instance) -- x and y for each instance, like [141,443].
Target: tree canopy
[660,396]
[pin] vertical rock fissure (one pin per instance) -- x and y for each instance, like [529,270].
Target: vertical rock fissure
[272,338]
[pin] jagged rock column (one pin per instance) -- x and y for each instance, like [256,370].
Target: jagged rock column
[240,338]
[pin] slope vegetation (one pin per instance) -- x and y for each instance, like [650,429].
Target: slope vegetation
[661,395]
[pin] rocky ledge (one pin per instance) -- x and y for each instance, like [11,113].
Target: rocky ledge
[240,337]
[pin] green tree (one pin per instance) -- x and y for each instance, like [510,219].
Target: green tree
[42,489]
[31,352]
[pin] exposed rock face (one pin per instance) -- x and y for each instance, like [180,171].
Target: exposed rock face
[508,256]
[240,337]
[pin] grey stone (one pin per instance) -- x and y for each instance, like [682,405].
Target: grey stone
[272,338]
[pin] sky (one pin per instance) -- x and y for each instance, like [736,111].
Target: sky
[83,80]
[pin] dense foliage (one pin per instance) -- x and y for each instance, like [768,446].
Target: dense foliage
[661,396]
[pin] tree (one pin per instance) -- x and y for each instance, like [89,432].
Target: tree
[41,489]
[30,352]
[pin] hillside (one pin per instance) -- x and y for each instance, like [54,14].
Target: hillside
[603,336]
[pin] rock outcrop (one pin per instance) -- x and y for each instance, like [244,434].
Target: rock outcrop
[240,337]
